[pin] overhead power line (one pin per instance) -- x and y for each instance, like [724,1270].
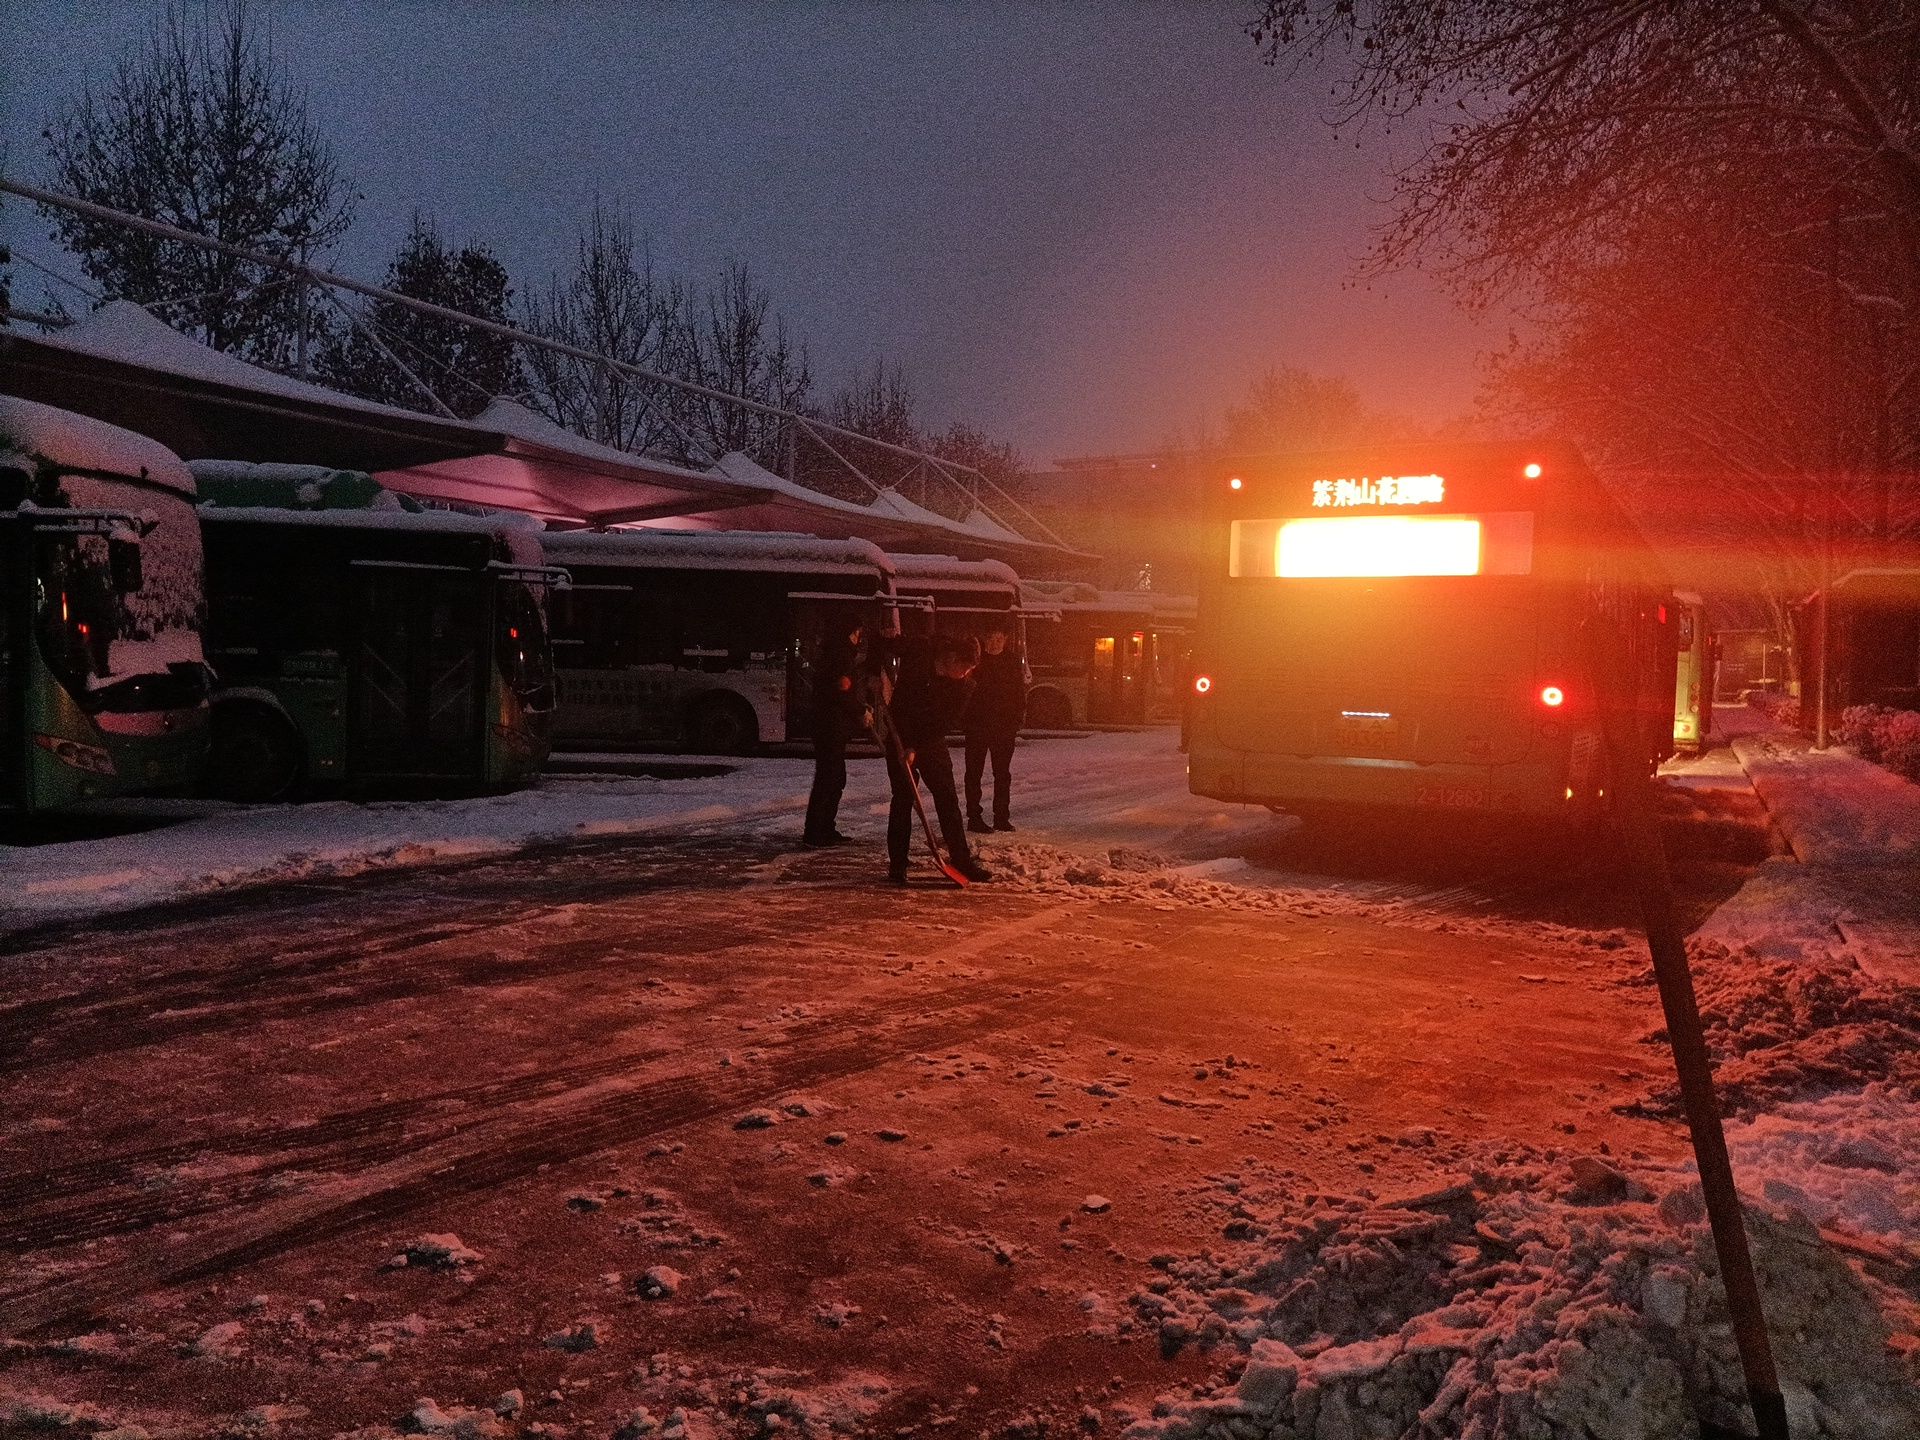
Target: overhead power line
[817,429]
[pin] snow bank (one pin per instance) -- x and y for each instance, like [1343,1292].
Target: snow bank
[1503,1306]
[1789,1027]
[221,847]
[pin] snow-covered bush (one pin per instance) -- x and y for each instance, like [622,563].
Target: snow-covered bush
[1898,737]
[1886,736]
[1781,709]
[1858,726]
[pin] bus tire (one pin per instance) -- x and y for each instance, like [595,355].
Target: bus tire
[1048,709]
[722,725]
[255,755]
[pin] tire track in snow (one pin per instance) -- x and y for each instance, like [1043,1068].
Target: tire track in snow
[597,1115]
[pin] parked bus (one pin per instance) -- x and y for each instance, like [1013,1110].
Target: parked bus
[1104,657]
[1698,655]
[943,595]
[372,648]
[1415,627]
[103,685]
[702,638]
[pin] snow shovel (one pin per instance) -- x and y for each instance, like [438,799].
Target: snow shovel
[889,739]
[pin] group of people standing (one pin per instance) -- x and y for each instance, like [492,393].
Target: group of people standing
[921,688]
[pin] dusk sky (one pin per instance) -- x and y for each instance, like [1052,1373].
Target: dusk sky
[1080,227]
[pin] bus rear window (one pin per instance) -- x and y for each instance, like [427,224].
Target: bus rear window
[1361,546]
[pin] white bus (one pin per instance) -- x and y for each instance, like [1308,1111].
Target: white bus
[1104,657]
[701,638]
[947,596]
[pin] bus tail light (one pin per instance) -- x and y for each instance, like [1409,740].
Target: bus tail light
[1203,684]
[1552,696]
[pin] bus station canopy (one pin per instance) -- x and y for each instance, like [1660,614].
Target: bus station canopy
[123,365]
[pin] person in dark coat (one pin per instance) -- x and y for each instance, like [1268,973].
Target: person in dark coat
[929,695]
[994,713]
[838,709]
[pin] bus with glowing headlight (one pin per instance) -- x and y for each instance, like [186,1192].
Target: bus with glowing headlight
[1436,627]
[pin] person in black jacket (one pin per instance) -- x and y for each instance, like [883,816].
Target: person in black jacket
[929,694]
[994,713]
[838,708]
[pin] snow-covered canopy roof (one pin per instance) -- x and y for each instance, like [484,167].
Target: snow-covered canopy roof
[535,466]
[37,432]
[1899,584]
[925,574]
[123,365]
[719,550]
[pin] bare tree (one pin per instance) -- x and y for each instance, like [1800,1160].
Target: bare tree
[1287,408]
[464,366]
[1711,212]
[202,131]
[733,341]
[613,304]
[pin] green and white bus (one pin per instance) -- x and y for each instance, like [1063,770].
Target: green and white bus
[1104,657]
[103,685]
[370,648]
[1698,657]
[703,639]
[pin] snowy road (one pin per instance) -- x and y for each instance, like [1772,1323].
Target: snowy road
[907,1157]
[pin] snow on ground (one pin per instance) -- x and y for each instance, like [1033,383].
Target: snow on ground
[1125,788]
[1528,1298]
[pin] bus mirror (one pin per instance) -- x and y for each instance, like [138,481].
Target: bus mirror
[123,558]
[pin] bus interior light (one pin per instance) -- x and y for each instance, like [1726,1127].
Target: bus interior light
[1553,697]
[1378,545]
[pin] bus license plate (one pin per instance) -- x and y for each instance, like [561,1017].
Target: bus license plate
[1451,797]
[1369,729]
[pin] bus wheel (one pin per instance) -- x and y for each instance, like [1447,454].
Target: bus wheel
[722,725]
[255,755]
[1048,710]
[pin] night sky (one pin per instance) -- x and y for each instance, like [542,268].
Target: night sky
[1080,227]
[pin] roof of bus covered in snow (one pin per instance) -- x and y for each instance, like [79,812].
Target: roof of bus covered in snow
[777,552]
[423,522]
[79,442]
[920,574]
[1079,597]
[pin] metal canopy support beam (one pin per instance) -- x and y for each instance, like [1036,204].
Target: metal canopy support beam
[305,273]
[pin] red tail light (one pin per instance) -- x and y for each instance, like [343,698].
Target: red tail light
[1202,684]
[1553,697]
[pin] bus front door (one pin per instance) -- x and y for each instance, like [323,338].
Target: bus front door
[417,678]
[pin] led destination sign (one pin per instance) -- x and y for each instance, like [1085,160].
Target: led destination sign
[1379,490]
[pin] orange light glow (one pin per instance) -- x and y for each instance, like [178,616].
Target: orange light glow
[1553,697]
[1202,684]
[1367,545]
[1532,472]
[1234,483]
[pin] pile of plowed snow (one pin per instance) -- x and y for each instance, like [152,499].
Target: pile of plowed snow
[1785,1028]
[1229,883]
[1504,1306]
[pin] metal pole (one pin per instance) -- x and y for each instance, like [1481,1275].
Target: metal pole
[1647,860]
